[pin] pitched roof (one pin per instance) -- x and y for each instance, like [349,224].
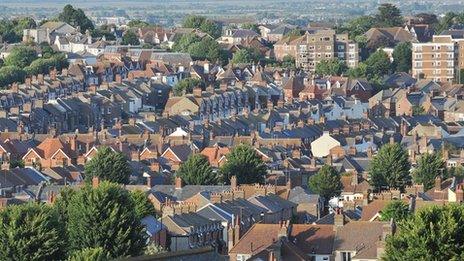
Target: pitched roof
[50,146]
[313,239]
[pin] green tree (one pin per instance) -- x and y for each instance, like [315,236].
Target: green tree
[76,18]
[108,165]
[17,164]
[377,65]
[428,168]
[390,168]
[30,232]
[402,57]
[199,48]
[331,67]
[388,16]
[11,74]
[11,31]
[251,26]
[137,23]
[418,110]
[359,26]
[433,233]
[245,164]
[187,85]
[326,182]
[205,25]
[130,38]
[358,72]
[294,32]
[21,56]
[104,217]
[197,171]
[288,62]
[246,55]
[90,254]
[153,249]
[143,206]
[396,210]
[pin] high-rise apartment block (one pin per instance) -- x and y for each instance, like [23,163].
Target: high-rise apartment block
[440,60]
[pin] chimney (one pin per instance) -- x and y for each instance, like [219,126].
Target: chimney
[64,72]
[215,198]
[438,183]
[14,87]
[149,181]
[206,68]
[313,163]
[369,152]
[51,197]
[53,74]
[95,182]
[329,160]
[339,219]
[233,182]
[392,140]
[40,78]
[5,165]
[178,183]
[28,82]
[237,229]
[459,194]
[118,78]
[231,237]
[72,142]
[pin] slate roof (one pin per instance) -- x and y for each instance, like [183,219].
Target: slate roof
[161,191]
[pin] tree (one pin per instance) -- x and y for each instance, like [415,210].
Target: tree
[402,57]
[205,25]
[388,16]
[331,67]
[108,165]
[433,233]
[89,254]
[418,110]
[21,56]
[396,210]
[197,171]
[76,18]
[199,48]
[390,168]
[130,38]
[245,164]
[377,65]
[359,26]
[11,31]
[137,23]
[428,168]
[358,72]
[104,217]
[186,86]
[246,55]
[153,249]
[288,62]
[143,207]
[11,74]
[251,26]
[294,32]
[326,182]
[30,232]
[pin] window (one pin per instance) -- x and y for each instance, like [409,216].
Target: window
[346,256]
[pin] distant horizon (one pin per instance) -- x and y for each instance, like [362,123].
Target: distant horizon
[160,10]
